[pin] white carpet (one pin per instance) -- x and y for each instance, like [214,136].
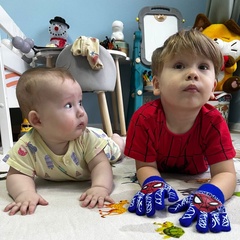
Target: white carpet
[64,219]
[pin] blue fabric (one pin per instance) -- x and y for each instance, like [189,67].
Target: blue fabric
[151,197]
[205,206]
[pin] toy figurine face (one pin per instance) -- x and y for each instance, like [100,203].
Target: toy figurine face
[58,32]
[57,29]
[205,203]
[152,187]
[229,48]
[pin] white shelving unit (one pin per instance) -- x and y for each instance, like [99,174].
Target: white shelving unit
[13,62]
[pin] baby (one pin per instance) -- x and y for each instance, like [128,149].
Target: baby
[59,147]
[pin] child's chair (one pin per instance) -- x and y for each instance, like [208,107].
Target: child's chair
[98,81]
[156,24]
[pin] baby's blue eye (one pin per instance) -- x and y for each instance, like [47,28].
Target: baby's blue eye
[80,103]
[68,105]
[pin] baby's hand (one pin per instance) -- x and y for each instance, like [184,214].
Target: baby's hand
[26,202]
[95,196]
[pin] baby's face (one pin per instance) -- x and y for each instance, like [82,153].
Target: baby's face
[61,112]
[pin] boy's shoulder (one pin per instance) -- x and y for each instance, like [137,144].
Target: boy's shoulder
[209,110]
[150,107]
[211,115]
[148,113]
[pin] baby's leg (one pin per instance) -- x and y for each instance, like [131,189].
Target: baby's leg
[120,141]
[114,150]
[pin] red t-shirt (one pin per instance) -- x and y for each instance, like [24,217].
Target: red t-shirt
[206,143]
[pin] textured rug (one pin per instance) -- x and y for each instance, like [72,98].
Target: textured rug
[64,218]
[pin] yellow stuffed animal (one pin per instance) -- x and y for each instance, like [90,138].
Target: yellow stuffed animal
[227,36]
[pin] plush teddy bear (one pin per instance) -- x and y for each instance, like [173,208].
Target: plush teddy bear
[227,36]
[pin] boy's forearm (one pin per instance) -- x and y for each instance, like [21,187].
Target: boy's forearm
[18,183]
[145,172]
[226,181]
[223,175]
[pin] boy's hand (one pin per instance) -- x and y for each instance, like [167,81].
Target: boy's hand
[95,196]
[152,196]
[26,202]
[206,206]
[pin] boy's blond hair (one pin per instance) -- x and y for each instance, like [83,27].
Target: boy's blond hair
[34,82]
[194,42]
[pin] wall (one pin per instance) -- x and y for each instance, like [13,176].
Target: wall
[91,18]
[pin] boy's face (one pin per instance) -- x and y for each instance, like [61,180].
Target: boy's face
[61,113]
[186,81]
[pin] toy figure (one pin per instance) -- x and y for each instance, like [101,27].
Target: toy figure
[117,37]
[116,42]
[25,127]
[227,36]
[109,44]
[168,230]
[114,208]
[58,32]
[147,80]
[117,31]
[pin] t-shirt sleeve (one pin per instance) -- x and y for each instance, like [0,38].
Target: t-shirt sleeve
[21,158]
[92,144]
[219,146]
[140,143]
